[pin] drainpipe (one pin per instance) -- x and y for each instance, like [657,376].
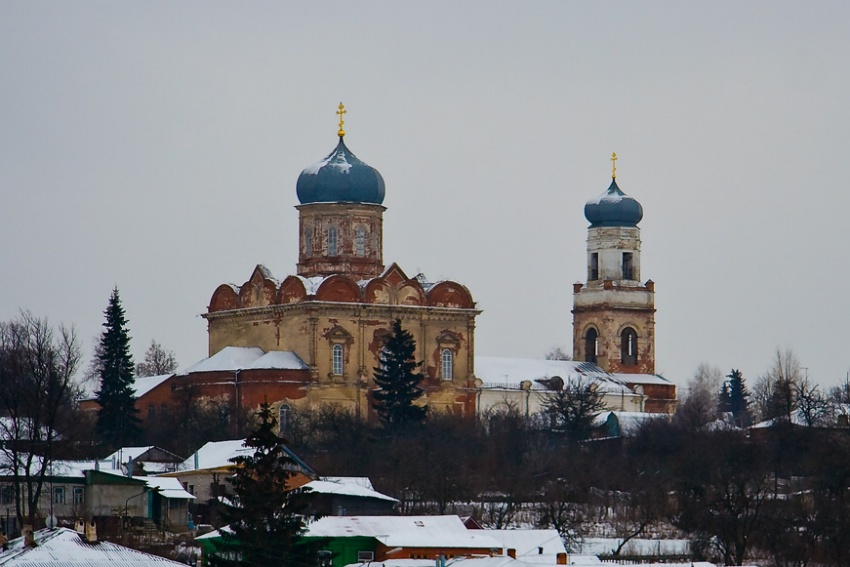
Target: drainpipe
[236,384]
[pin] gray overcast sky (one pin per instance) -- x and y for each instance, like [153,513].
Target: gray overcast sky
[155,146]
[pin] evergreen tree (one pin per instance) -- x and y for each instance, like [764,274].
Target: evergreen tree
[266,519]
[117,420]
[739,398]
[724,403]
[397,381]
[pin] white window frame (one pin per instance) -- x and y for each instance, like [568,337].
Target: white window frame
[58,494]
[337,359]
[447,358]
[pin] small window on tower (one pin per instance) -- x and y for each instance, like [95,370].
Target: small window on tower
[360,241]
[308,244]
[593,275]
[628,268]
[629,347]
[590,347]
[332,242]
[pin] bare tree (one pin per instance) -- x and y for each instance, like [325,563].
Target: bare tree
[812,405]
[157,361]
[774,392]
[37,395]
[557,353]
[699,405]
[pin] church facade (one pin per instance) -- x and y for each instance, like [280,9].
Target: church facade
[335,313]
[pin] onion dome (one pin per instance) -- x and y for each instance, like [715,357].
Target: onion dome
[340,177]
[613,207]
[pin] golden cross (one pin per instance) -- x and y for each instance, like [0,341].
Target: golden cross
[614,164]
[339,113]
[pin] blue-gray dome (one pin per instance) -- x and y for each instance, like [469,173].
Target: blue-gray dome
[613,208]
[340,177]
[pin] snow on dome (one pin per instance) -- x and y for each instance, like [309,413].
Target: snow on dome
[340,178]
[613,208]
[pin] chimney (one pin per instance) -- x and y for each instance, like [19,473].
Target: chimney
[196,460]
[29,537]
[512,553]
[80,527]
[561,559]
[91,532]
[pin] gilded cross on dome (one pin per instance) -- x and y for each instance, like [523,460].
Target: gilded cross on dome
[614,165]
[339,113]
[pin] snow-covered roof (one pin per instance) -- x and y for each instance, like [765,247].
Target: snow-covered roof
[217,455]
[58,469]
[341,487]
[629,421]
[404,531]
[124,454]
[145,384]
[168,487]
[233,358]
[532,546]
[363,481]
[280,360]
[502,372]
[62,547]
[228,358]
[643,379]
[499,561]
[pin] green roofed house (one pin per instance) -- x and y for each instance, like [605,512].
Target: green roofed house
[359,539]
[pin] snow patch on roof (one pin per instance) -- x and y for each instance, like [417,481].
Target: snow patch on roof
[143,385]
[217,454]
[231,358]
[504,372]
[404,531]
[532,546]
[341,487]
[168,487]
[279,360]
[643,379]
[228,358]
[62,547]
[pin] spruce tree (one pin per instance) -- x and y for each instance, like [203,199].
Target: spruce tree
[397,381]
[117,420]
[739,402]
[265,518]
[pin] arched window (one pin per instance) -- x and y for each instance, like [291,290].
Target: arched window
[591,341]
[447,366]
[333,248]
[308,244]
[360,241]
[163,412]
[337,360]
[629,346]
[283,419]
[151,411]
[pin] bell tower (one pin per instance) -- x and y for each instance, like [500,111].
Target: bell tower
[613,312]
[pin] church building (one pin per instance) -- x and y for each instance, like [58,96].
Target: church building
[330,320]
